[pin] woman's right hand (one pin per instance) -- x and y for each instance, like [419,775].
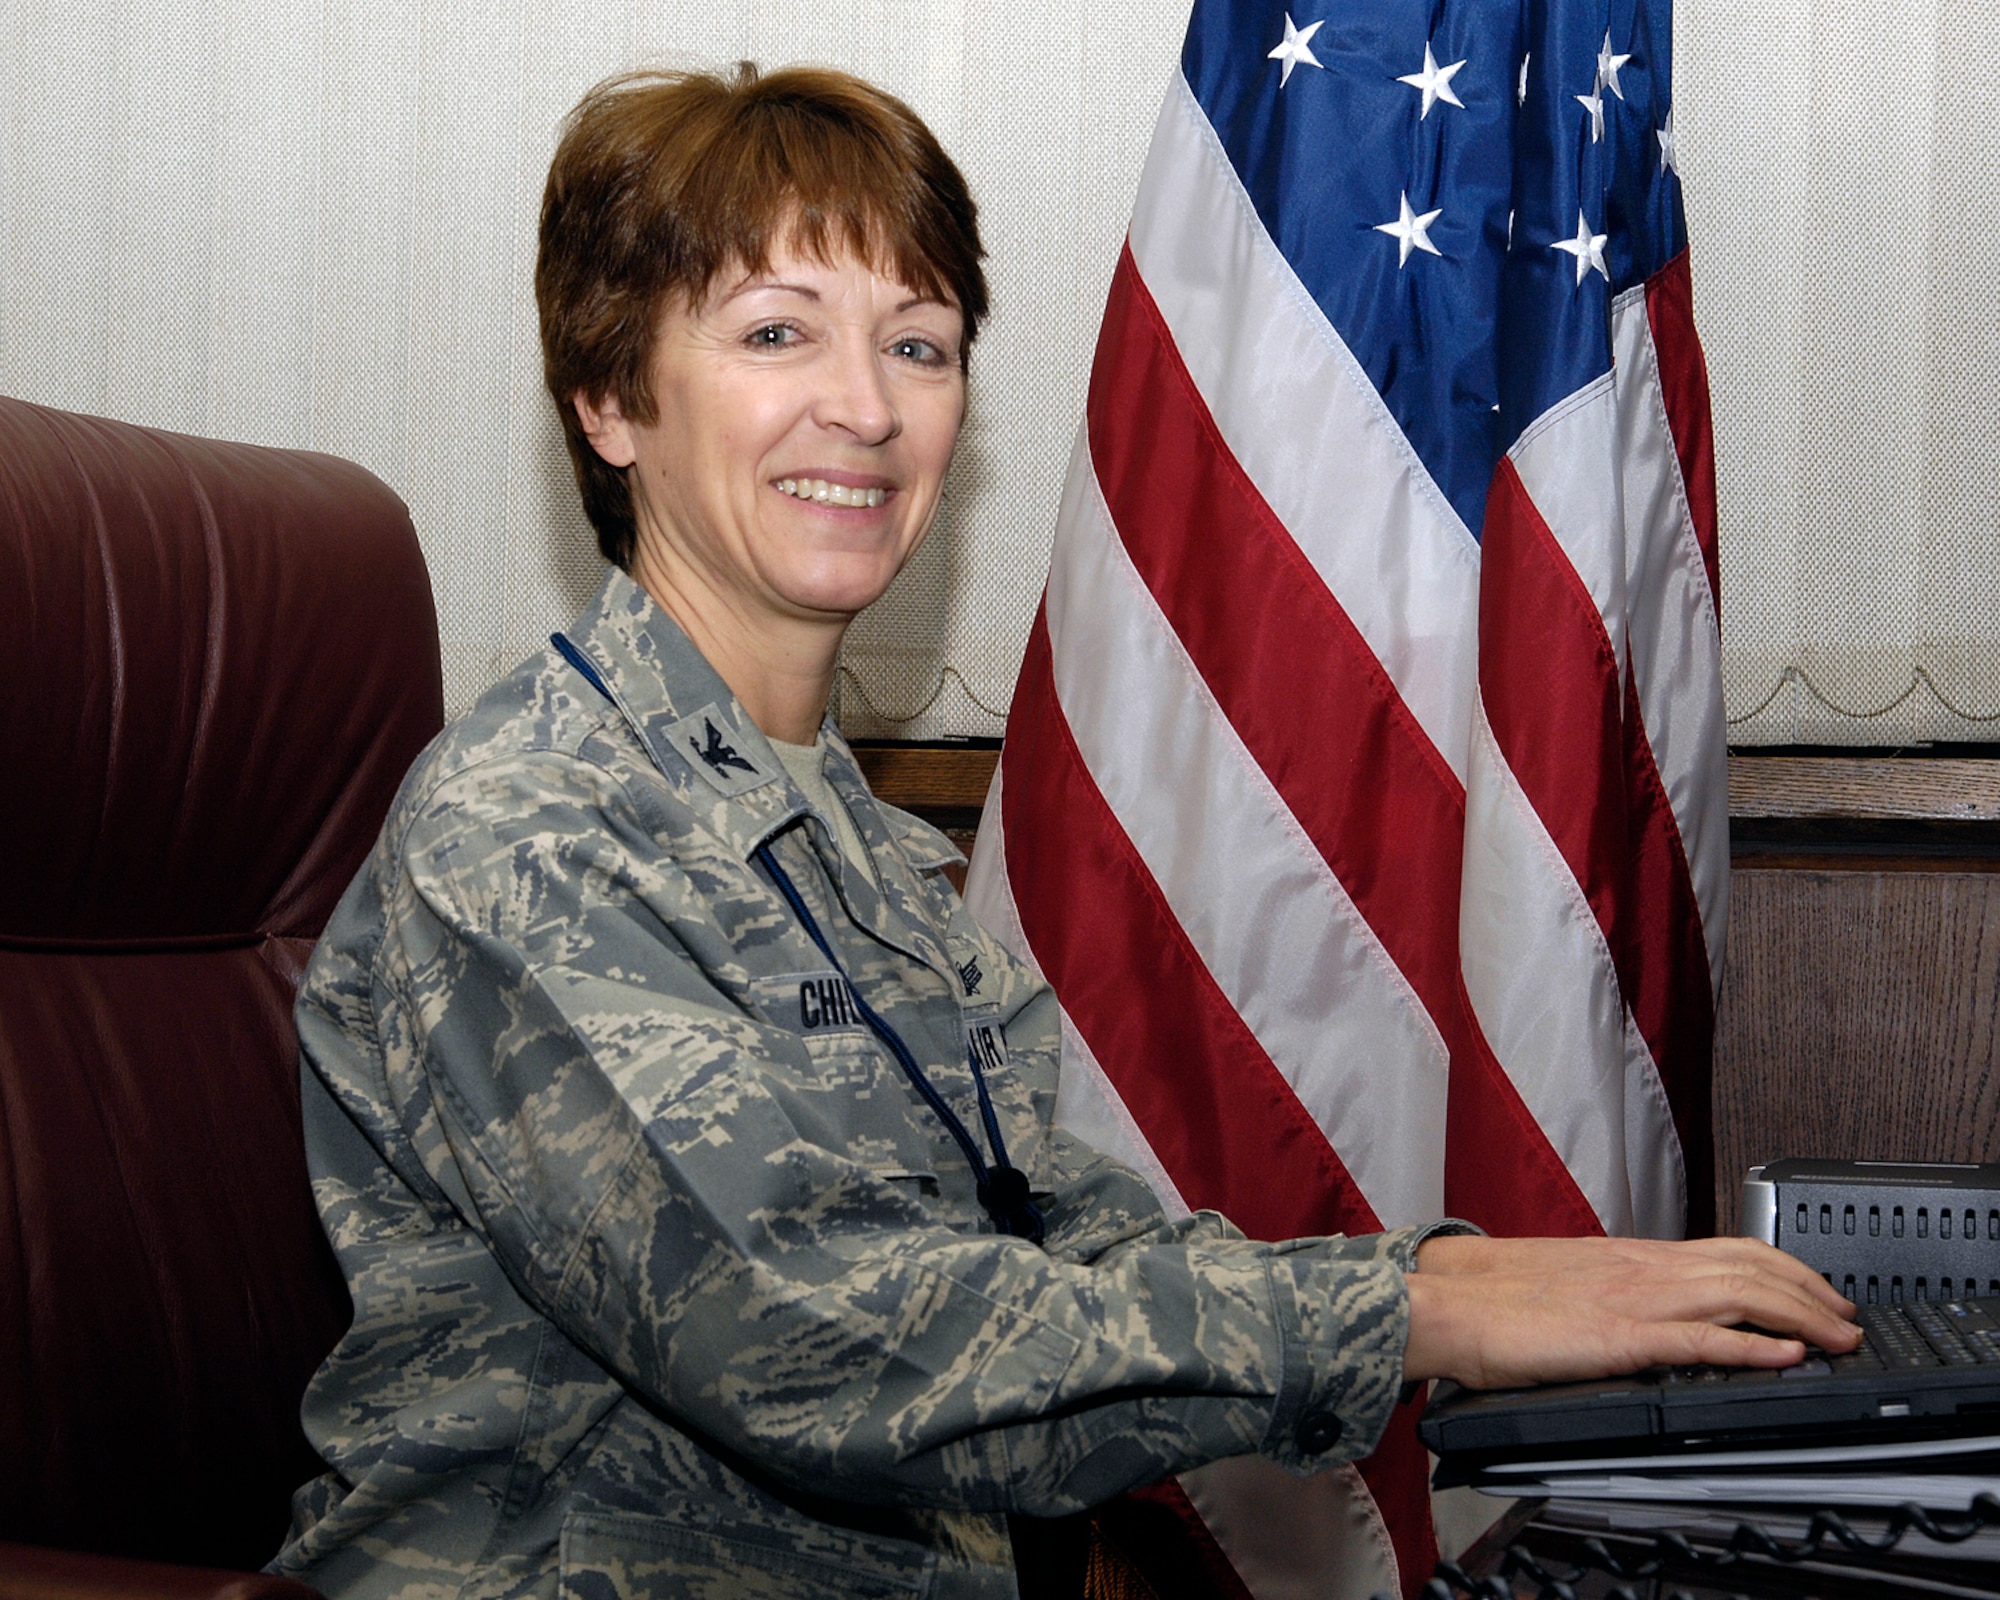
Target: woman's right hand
[1498,1313]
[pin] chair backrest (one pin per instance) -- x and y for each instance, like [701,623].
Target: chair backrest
[218,660]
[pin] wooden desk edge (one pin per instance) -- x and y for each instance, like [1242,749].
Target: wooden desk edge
[1944,789]
[928,778]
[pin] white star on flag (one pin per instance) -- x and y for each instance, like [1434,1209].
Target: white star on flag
[1665,135]
[1521,88]
[1412,232]
[1587,247]
[1594,104]
[1296,48]
[1434,83]
[1608,65]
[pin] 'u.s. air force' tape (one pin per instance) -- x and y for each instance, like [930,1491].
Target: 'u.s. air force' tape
[985,1038]
[811,1002]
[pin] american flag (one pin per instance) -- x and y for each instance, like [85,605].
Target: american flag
[1363,794]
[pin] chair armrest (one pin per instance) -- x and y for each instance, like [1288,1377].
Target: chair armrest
[33,1572]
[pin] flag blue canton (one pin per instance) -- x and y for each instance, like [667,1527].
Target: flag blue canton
[1333,117]
[1648,227]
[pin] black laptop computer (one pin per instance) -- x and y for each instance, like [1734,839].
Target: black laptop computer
[1925,1369]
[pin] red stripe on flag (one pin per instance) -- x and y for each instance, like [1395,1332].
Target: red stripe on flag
[1204,1093]
[1550,684]
[1663,969]
[1321,718]
[1684,386]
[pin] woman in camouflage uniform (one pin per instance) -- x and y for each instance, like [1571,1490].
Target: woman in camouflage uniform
[687,1148]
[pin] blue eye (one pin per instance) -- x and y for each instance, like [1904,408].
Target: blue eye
[772,336]
[914,349]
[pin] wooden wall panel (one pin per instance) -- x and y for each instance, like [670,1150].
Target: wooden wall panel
[1858,1019]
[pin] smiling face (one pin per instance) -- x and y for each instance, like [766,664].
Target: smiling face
[805,418]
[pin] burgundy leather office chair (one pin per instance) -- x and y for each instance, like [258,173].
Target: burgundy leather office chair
[216,662]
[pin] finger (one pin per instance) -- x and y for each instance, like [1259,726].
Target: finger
[1786,1309]
[1735,1347]
[1669,1258]
[1755,1255]
[1772,1259]
[1724,1293]
[1792,1309]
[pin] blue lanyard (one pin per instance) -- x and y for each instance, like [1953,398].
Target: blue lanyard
[1002,1187]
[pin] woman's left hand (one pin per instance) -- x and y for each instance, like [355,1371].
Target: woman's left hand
[1496,1313]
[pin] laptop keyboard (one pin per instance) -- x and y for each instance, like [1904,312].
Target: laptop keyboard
[1907,1337]
[1950,1333]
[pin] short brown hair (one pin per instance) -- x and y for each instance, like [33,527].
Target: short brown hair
[663,180]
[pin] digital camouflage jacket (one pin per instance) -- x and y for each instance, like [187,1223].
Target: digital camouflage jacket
[666,1281]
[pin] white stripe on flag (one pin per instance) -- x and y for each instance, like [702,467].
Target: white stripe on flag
[1305,423]
[1672,626]
[1567,458]
[1295,1538]
[1264,912]
[1546,996]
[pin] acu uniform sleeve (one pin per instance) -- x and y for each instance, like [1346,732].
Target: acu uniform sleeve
[582,1083]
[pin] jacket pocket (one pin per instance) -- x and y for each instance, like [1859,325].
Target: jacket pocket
[642,1558]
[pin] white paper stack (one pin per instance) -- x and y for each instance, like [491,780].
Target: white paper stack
[1707,1497]
[1940,1474]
